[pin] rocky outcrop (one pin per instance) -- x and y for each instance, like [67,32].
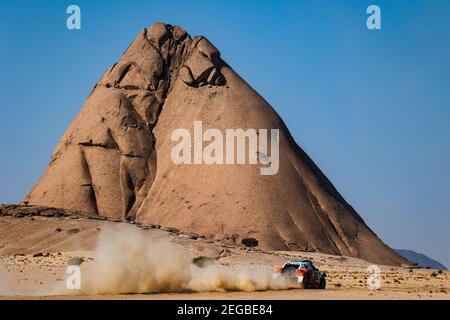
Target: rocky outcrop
[20,211]
[115,158]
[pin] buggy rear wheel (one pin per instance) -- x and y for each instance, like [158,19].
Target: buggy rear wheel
[323,283]
[305,282]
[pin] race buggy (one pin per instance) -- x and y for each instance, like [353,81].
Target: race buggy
[303,272]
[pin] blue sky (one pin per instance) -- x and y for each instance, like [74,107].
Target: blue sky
[372,108]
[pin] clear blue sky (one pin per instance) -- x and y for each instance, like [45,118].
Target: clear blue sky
[372,108]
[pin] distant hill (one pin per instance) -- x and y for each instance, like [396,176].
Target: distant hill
[421,259]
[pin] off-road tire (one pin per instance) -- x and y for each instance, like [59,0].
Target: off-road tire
[323,283]
[305,283]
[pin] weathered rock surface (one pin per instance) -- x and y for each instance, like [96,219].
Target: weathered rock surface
[115,158]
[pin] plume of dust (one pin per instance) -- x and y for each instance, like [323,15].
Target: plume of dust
[239,278]
[129,261]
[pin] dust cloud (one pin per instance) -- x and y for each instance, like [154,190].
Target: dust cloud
[130,261]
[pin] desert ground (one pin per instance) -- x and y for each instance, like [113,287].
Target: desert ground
[36,250]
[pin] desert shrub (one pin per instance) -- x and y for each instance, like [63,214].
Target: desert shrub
[202,261]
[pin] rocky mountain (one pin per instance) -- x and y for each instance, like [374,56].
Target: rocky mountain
[116,158]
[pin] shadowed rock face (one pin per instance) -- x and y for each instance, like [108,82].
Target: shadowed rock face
[115,158]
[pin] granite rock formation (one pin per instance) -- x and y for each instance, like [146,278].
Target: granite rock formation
[114,159]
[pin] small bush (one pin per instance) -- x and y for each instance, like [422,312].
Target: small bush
[202,261]
[75,261]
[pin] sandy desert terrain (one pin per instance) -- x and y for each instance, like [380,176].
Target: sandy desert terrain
[35,252]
